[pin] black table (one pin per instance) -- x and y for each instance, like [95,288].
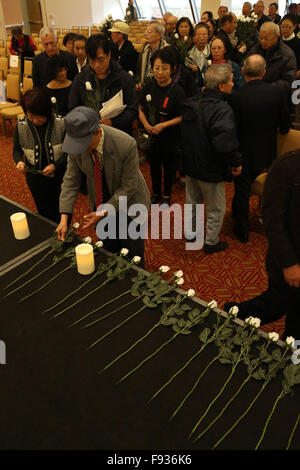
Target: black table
[53,397]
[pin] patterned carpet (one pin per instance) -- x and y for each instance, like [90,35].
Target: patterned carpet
[236,274]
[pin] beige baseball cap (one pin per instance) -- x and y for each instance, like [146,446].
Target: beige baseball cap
[119,27]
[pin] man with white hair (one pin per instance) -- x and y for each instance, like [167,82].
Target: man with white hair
[211,150]
[40,62]
[260,110]
[281,65]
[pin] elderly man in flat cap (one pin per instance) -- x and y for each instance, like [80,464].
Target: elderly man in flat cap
[109,160]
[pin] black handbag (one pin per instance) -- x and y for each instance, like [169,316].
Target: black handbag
[144,140]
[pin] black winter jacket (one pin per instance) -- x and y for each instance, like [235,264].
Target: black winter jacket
[116,80]
[209,140]
[281,210]
[281,64]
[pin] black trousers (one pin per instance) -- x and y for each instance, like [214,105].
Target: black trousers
[278,300]
[240,201]
[163,153]
[135,247]
[45,192]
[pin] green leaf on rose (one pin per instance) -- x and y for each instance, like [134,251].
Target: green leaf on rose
[204,335]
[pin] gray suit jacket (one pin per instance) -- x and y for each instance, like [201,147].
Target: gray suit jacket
[121,167]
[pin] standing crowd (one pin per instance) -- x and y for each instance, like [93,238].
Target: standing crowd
[208,101]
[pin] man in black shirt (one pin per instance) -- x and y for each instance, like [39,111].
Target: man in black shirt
[228,26]
[259,11]
[260,110]
[40,62]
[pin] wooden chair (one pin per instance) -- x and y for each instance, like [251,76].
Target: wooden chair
[3,52]
[27,67]
[10,109]
[84,30]
[4,66]
[27,84]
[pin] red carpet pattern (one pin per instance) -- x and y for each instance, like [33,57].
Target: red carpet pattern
[236,274]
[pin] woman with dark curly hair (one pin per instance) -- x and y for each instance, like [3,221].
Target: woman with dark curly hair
[38,146]
[59,86]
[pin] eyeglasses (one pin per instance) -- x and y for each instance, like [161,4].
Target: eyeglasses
[99,60]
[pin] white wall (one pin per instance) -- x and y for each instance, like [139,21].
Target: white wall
[70,12]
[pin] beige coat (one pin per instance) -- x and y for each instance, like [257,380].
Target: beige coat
[121,167]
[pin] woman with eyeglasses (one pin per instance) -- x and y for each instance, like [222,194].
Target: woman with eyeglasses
[160,114]
[287,29]
[218,53]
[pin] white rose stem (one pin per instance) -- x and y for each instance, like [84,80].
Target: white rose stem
[120,324]
[104,305]
[34,265]
[232,398]
[195,320]
[89,293]
[30,269]
[44,285]
[280,396]
[143,337]
[216,333]
[105,268]
[100,307]
[31,279]
[292,433]
[233,368]
[268,379]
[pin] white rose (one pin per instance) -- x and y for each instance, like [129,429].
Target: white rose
[234,311]
[253,321]
[248,19]
[99,244]
[124,252]
[53,100]
[87,240]
[164,269]
[273,336]
[185,38]
[136,259]
[208,62]
[191,293]
[88,86]
[109,17]
[75,226]
[212,304]
[146,136]
[178,273]
[176,36]
[179,281]
[148,98]
[130,73]
[290,340]
[128,13]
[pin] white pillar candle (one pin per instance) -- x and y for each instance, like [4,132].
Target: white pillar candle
[20,225]
[85,258]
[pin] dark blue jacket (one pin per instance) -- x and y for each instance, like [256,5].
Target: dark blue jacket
[116,80]
[209,139]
